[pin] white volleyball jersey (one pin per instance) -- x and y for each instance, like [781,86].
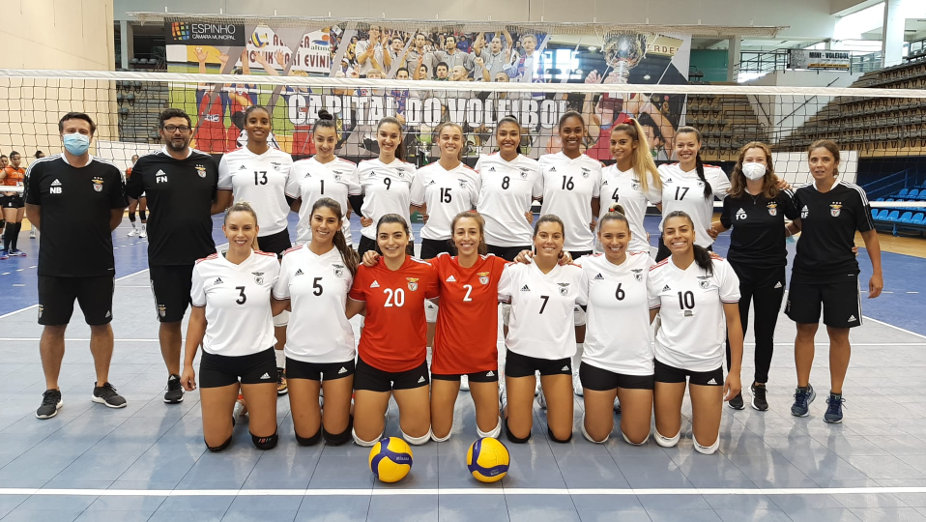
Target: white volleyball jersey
[317,286]
[312,180]
[237,301]
[618,334]
[541,322]
[386,190]
[623,188]
[693,331]
[505,195]
[569,185]
[446,193]
[259,179]
[684,191]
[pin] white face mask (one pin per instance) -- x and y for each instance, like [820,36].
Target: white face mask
[753,171]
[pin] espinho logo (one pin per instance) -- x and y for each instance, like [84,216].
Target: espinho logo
[180,30]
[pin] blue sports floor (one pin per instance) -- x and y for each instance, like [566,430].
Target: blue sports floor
[148,461]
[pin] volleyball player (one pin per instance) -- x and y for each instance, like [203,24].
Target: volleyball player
[231,319]
[209,134]
[77,200]
[618,358]
[571,183]
[323,175]
[694,292]
[392,356]
[313,285]
[690,186]
[180,184]
[825,273]
[756,209]
[140,204]
[385,181]
[510,182]
[632,181]
[258,173]
[13,175]
[540,336]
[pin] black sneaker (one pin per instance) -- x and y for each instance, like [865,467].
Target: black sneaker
[802,399]
[174,393]
[736,402]
[833,413]
[107,395]
[759,402]
[51,403]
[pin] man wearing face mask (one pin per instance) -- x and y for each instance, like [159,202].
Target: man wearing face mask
[77,201]
[756,207]
[180,184]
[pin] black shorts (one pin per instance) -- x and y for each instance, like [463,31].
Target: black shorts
[94,296]
[840,300]
[486,376]
[318,371]
[576,254]
[275,243]
[15,201]
[517,365]
[671,374]
[507,253]
[222,370]
[599,379]
[373,379]
[431,247]
[370,244]
[171,286]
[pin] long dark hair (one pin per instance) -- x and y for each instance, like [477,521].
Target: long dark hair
[340,242]
[701,255]
[738,179]
[509,119]
[386,219]
[400,148]
[699,165]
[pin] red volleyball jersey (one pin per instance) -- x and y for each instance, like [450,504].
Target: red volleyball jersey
[465,340]
[394,333]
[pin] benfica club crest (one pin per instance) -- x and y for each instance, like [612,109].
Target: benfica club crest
[704,283]
[338,270]
[772,208]
[483,278]
[835,209]
[638,274]
[563,288]
[258,277]
[201,170]
[412,283]
[97,185]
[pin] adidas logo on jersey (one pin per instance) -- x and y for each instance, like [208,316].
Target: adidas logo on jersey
[242,167]
[342,370]
[564,368]
[490,373]
[552,169]
[491,169]
[109,314]
[374,284]
[740,215]
[160,176]
[712,381]
[298,272]
[777,285]
[852,318]
[599,277]
[56,183]
[265,376]
[525,288]
[451,279]
[666,288]
[421,379]
[218,281]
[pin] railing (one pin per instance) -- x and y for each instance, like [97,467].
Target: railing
[754,64]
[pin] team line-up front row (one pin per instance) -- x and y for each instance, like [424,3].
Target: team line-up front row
[243,298]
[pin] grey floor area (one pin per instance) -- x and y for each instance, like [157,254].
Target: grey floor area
[148,461]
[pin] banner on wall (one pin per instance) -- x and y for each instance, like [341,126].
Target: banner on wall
[819,60]
[370,50]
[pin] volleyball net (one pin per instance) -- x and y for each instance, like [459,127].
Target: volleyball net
[882,131]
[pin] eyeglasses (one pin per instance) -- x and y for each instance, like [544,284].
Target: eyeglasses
[175,128]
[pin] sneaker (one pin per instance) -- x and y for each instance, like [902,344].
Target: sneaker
[759,402]
[51,403]
[4,255]
[464,382]
[833,413]
[32,233]
[17,253]
[144,233]
[241,408]
[133,232]
[577,384]
[174,393]
[736,402]
[282,389]
[542,401]
[107,395]
[617,406]
[802,399]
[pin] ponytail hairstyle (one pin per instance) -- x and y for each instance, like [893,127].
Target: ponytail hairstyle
[400,149]
[615,213]
[239,206]
[340,242]
[643,165]
[699,165]
[483,249]
[386,219]
[443,126]
[325,121]
[701,255]
[512,120]
[738,179]
[831,146]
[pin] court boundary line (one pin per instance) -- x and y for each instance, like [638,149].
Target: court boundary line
[494,491]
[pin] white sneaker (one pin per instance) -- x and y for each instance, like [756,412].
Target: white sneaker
[133,232]
[542,401]
[577,384]
[32,233]
[464,382]
[143,234]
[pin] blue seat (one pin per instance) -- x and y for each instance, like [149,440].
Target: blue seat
[879,199]
[893,216]
[919,219]
[874,213]
[913,193]
[907,217]
[903,192]
[882,214]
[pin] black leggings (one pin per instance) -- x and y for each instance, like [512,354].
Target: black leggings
[766,288]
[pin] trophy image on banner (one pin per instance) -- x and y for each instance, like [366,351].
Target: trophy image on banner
[622,52]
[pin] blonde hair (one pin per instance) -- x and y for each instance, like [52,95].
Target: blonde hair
[643,165]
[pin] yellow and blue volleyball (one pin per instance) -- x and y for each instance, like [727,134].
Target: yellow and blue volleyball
[390,459]
[487,459]
[260,38]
